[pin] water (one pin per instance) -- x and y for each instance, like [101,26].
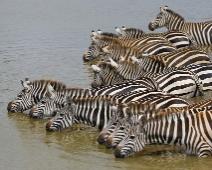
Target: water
[46,39]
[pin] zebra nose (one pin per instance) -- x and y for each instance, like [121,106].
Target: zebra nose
[85,58]
[31,112]
[100,139]
[150,27]
[48,125]
[108,143]
[117,152]
[9,107]
[93,85]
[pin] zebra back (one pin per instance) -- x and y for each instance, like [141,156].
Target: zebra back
[143,83]
[182,57]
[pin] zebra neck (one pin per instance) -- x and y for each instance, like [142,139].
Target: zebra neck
[175,25]
[95,115]
[166,130]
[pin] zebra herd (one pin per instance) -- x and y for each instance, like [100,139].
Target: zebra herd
[139,89]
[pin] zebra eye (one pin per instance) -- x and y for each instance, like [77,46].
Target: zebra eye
[43,102]
[122,128]
[132,137]
[19,96]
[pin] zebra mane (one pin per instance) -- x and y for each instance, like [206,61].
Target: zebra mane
[110,40]
[136,106]
[171,114]
[106,65]
[175,14]
[105,98]
[125,49]
[44,82]
[75,91]
[161,57]
[131,67]
[109,34]
[138,30]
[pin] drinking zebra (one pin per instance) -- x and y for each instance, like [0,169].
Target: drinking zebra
[32,93]
[189,129]
[93,106]
[201,32]
[153,47]
[182,82]
[127,115]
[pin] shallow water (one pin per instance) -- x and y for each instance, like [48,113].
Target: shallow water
[46,39]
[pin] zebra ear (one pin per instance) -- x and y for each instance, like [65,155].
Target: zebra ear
[94,33]
[124,28]
[162,10]
[145,54]
[28,82]
[95,68]
[25,86]
[113,63]
[99,31]
[134,60]
[166,7]
[114,108]
[117,30]
[143,121]
[50,89]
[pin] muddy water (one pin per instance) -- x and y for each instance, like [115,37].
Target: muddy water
[46,39]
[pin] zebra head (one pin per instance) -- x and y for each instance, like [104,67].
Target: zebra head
[98,79]
[93,52]
[133,142]
[159,21]
[126,121]
[45,107]
[106,74]
[24,99]
[63,118]
[110,127]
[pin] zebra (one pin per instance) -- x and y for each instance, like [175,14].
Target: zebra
[143,83]
[201,32]
[93,106]
[154,101]
[189,129]
[32,93]
[132,111]
[178,38]
[122,52]
[154,47]
[182,82]
[115,130]
[57,100]
[94,112]
[94,50]
[46,106]
[178,58]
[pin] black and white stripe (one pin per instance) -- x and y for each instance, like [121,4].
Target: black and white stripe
[189,129]
[201,32]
